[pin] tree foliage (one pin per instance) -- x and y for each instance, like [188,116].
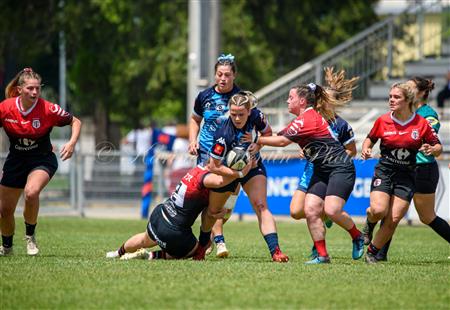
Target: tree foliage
[127,60]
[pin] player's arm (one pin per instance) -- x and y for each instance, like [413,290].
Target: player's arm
[432,145]
[371,139]
[213,180]
[68,149]
[279,141]
[350,149]
[367,146]
[434,150]
[216,166]
[255,147]
[194,128]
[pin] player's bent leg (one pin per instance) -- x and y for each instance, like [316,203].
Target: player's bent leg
[379,206]
[391,221]
[256,189]
[9,197]
[397,211]
[36,182]
[424,204]
[297,206]
[313,211]
[136,242]
[218,201]
[334,209]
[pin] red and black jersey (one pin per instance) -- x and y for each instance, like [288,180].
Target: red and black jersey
[189,198]
[400,141]
[29,131]
[320,145]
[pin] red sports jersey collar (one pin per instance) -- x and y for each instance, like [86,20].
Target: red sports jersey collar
[400,122]
[22,110]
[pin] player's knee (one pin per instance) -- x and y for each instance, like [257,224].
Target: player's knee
[427,218]
[296,215]
[377,212]
[7,212]
[259,206]
[31,193]
[313,212]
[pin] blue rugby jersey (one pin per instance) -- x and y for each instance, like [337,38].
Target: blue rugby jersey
[228,136]
[211,106]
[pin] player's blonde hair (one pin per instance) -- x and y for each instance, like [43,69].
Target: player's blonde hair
[340,87]
[408,91]
[19,80]
[244,98]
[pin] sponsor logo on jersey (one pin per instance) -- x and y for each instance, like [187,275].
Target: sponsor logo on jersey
[400,154]
[36,123]
[24,122]
[221,140]
[415,134]
[401,133]
[9,120]
[218,149]
[26,141]
[220,107]
[28,144]
[389,133]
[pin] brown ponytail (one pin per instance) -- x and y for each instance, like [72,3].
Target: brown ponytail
[318,98]
[423,84]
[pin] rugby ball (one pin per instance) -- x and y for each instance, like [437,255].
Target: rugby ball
[237,158]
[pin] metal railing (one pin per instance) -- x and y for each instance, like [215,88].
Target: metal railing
[378,52]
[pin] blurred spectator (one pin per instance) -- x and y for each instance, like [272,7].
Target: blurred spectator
[180,163]
[444,93]
[136,144]
[140,140]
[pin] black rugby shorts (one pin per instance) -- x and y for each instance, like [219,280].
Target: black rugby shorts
[17,168]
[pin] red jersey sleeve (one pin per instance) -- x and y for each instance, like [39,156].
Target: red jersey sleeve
[58,116]
[430,135]
[375,132]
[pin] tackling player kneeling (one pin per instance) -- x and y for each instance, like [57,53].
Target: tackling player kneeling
[170,224]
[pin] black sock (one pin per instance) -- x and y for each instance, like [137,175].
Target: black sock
[7,241]
[371,225]
[29,229]
[384,250]
[122,250]
[441,227]
[204,238]
[372,249]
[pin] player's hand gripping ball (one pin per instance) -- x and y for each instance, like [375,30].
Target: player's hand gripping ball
[237,158]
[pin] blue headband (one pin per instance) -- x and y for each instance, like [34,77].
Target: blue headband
[226,58]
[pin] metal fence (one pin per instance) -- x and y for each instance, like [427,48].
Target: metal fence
[378,52]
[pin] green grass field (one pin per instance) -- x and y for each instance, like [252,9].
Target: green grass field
[71,272]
